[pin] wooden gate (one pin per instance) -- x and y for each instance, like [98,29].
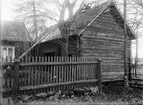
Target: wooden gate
[32,75]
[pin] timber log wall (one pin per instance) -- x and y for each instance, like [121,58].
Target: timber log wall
[104,39]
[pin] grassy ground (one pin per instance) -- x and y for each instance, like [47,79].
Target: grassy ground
[114,94]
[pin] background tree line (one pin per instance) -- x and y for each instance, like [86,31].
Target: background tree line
[39,14]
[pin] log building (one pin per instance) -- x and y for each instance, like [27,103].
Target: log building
[96,32]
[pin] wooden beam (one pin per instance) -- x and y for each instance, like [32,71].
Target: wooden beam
[125,39]
[56,84]
[1,84]
[15,87]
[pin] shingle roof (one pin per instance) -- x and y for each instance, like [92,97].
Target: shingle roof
[81,20]
[14,31]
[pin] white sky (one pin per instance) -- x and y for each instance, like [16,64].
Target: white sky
[6,10]
[7,13]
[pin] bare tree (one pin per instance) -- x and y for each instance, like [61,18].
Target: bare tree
[33,15]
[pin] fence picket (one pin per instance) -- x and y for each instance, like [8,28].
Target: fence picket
[59,60]
[49,71]
[67,60]
[25,78]
[48,68]
[44,71]
[36,76]
[70,69]
[41,71]
[77,70]
[56,70]
[32,72]
[29,72]
[38,79]
[86,67]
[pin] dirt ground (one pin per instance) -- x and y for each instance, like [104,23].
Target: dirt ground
[114,94]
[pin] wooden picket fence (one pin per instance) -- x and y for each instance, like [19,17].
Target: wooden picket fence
[32,75]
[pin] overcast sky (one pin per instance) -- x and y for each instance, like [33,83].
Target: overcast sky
[7,13]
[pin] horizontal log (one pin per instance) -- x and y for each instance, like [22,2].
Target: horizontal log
[112,70]
[107,15]
[110,35]
[106,30]
[107,58]
[108,18]
[95,41]
[113,61]
[110,29]
[113,66]
[112,79]
[109,24]
[113,48]
[105,47]
[56,84]
[113,73]
[95,30]
[98,56]
[102,52]
[102,37]
[115,76]
[56,63]
[102,55]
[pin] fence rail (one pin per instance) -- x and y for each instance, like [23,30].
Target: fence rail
[136,77]
[43,72]
[135,73]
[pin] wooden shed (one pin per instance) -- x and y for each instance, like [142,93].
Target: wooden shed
[96,32]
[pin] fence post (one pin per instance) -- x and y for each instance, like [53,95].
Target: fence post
[99,74]
[15,87]
[1,83]
[130,71]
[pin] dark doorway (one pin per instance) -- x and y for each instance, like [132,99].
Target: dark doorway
[49,54]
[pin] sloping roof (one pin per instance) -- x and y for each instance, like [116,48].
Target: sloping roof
[89,14]
[82,20]
[14,31]
[55,34]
